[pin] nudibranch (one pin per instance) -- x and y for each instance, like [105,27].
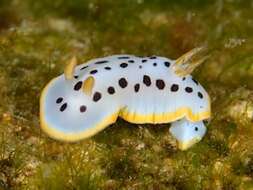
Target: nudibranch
[91,96]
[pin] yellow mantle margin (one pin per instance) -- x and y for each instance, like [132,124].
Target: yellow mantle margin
[165,117]
[72,137]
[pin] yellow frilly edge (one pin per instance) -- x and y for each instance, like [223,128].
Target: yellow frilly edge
[169,117]
[165,117]
[74,136]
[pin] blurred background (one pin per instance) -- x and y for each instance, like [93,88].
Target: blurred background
[38,37]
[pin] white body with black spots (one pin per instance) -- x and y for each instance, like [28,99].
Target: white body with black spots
[89,97]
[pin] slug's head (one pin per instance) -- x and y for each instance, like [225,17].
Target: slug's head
[187,133]
[73,108]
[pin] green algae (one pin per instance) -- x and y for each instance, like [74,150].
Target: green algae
[36,39]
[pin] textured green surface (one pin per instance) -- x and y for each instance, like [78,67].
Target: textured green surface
[36,39]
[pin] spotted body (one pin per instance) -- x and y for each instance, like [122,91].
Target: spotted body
[137,89]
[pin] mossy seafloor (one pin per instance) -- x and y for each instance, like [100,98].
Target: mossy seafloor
[36,39]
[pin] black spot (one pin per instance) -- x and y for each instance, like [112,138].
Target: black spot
[84,67]
[183,78]
[131,61]
[160,84]
[63,107]
[140,67]
[83,108]
[76,77]
[78,85]
[97,96]
[152,57]
[174,87]
[136,87]
[146,80]
[111,90]
[123,65]
[123,57]
[155,64]
[108,68]
[59,100]
[188,89]
[196,128]
[101,62]
[144,60]
[167,64]
[196,82]
[123,83]
[200,95]
[93,71]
